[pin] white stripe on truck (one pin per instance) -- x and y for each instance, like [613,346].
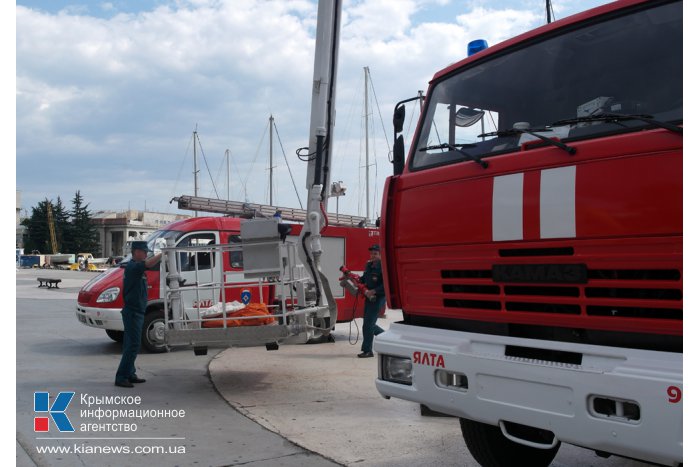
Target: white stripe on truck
[507,211]
[558,203]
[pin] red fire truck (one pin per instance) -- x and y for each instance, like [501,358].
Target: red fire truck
[100,300]
[300,275]
[533,239]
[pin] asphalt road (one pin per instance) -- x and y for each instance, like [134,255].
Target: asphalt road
[56,354]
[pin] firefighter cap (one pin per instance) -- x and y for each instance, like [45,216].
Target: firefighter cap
[140,245]
[374,247]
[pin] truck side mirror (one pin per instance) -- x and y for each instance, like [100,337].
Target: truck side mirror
[399,155]
[399,117]
[399,159]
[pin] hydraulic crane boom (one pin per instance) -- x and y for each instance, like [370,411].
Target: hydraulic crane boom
[299,296]
[320,149]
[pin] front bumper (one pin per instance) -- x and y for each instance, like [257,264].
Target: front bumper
[553,396]
[103,318]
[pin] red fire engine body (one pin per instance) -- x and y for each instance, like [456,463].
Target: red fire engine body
[100,301]
[533,241]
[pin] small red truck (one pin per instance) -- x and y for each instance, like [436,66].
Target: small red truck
[100,300]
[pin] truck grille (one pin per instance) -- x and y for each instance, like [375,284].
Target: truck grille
[611,293]
[620,292]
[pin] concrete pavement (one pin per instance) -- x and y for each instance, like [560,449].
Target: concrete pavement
[322,397]
[303,405]
[56,353]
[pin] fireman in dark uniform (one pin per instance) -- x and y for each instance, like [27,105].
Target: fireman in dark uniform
[374,300]
[135,299]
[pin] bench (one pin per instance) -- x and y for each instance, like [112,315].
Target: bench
[47,282]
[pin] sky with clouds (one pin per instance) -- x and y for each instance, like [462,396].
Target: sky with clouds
[109,93]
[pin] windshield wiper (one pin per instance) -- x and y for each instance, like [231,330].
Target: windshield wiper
[459,149]
[519,131]
[612,117]
[448,146]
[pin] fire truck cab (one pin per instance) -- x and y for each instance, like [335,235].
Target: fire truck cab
[542,303]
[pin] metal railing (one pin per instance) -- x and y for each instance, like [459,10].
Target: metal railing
[209,279]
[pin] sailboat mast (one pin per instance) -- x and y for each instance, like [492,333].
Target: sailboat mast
[194,147]
[366,143]
[228,175]
[272,121]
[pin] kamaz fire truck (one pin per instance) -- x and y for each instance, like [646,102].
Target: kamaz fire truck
[533,239]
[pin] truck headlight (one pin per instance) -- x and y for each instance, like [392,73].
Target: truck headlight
[397,369]
[108,295]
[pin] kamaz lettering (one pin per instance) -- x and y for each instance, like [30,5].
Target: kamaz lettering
[552,273]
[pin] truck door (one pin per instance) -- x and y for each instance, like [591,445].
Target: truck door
[201,269]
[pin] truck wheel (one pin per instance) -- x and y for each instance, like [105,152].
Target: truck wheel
[116,336]
[153,332]
[490,448]
[318,337]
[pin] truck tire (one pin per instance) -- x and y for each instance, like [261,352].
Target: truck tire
[116,336]
[318,337]
[490,448]
[153,332]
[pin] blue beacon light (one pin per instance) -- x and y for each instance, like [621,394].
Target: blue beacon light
[476,46]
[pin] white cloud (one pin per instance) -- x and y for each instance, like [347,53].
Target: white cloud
[97,97]
[378,20]
[75,9]
[498,25]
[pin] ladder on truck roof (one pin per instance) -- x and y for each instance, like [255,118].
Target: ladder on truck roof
[250,210]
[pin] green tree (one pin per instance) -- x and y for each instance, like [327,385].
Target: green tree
[38,228]
[83,233]
[63,226]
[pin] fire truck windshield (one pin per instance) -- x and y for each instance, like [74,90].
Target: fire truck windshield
[156,241]
[556,85]
[160,238]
